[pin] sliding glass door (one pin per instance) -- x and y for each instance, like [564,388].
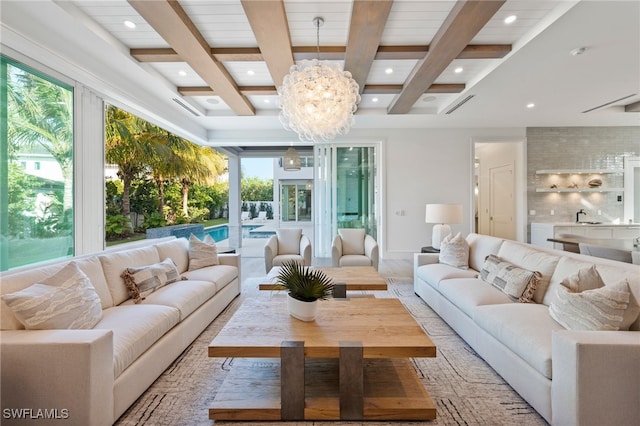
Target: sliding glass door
[346,192]
[295,201]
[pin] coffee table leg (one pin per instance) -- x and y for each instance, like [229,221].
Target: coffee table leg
[351,381]
[292,380]
[339,290]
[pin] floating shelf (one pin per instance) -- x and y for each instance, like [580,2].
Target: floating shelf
[579,189]
[578,171]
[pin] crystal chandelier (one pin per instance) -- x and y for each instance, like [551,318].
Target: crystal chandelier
[317,98]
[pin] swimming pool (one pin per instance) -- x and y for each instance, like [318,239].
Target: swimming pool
[221,232]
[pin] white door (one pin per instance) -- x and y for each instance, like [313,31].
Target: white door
[501,202]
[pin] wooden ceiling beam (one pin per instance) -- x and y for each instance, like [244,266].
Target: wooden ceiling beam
[368,19]
[171,22]
[464,21]
[369,89]
[268,20]
[331,53]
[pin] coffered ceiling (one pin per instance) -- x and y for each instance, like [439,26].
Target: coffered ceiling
[444,63]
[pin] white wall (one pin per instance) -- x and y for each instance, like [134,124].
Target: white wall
[426,166]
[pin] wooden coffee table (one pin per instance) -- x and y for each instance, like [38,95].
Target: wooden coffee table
[351,363]
[344,278]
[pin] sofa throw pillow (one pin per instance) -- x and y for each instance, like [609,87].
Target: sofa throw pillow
[598,309]
[144,280]
[590,279]
[454,251]
[66,300]
[519,284]
[584,279]
[202,253]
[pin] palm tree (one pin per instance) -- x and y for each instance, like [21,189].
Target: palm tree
[200,165]
[128,146]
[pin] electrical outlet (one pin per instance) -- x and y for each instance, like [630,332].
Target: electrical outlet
[532,212]
[599,212]
[552,212]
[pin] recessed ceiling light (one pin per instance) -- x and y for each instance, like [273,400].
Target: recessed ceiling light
[251,72]
[388,71]
[213,101]
[510,19]
[530,105]
[267,101]
[578,51]
[182,73]
[374,100]
[428,99]
[129,24]
[458,70]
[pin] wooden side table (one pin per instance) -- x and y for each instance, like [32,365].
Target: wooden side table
[429,249]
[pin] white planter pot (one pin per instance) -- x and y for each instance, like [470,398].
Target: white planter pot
[304,311]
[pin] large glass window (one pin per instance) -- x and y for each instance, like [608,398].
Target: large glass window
[36,166]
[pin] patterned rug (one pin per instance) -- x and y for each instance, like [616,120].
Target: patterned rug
[465,389]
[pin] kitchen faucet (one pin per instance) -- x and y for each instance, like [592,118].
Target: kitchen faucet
[581,211]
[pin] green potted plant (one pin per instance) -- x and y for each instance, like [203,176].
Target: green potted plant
[305,287]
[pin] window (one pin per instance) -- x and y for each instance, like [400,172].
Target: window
[36,213]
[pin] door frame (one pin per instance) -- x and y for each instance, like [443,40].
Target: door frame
[520,176]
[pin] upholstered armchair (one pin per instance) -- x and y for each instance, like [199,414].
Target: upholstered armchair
[287,244]
[352,247]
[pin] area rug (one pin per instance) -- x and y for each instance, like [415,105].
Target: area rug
[465,389]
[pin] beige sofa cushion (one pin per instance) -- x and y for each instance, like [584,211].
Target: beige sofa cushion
[352,241]
[528,257]
[481,246]
[525,329]
[185,296]
[176,250]
[355,260]
[135,329]
[93,268]
[434,273]
[221,275]
[469,293]
[113,264]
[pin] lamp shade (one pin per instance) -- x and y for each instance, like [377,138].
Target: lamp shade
[443,213]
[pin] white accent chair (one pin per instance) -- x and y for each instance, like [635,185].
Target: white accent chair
[245,216]
[606,252]
[287,244]
[352,247]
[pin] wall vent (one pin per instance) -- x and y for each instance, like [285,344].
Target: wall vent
[608,103]
[185,106]
[459,104]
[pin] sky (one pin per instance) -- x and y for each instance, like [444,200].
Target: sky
[257,167]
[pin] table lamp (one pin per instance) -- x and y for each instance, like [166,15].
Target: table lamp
[442,215]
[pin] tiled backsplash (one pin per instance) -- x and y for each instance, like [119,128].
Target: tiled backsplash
[571,148]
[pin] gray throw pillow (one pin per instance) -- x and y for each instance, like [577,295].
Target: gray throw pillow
[519,284]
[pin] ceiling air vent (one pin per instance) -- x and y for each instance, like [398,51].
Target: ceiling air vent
[459,104]
[608,103]
[185,106]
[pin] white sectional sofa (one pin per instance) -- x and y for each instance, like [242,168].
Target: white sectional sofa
[91,376]
[570,377]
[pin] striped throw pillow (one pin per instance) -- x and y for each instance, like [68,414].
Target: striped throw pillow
[144,280]
[519,284]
